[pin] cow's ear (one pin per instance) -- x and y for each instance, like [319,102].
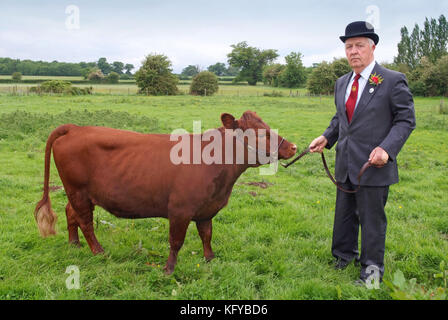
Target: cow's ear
[229,121]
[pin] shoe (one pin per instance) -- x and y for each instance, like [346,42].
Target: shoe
[341,264]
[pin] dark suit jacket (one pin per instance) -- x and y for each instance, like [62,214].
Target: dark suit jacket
[384,117]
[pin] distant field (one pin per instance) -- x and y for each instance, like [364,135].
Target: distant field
[127,88]
[272,243]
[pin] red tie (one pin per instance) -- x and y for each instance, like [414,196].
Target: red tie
[351,102]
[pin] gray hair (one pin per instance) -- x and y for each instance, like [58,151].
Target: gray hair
[371,42]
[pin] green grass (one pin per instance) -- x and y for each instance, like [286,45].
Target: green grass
[275,245]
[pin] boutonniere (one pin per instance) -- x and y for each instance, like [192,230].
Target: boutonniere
[375,79]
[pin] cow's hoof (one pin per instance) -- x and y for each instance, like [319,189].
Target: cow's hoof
[168,270]
[98,251]
[209,257]
[75,244]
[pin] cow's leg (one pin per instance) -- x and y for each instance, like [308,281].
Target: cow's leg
[72,225]
[178,229]
[84,209]
[205,232]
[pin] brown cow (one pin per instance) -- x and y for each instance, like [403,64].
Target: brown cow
[130,175]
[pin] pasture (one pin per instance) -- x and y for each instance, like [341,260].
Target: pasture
[272,241]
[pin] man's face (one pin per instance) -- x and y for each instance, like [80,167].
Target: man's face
[359,53]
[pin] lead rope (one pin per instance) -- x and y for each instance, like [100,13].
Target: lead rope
[361,172]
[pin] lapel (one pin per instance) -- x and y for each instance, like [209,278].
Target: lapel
[366,96]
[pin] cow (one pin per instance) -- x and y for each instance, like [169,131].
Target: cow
[131,175]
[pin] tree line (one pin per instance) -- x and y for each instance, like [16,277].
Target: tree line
[422,56]
[9,66]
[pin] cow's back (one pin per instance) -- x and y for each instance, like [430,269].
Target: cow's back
[127,173]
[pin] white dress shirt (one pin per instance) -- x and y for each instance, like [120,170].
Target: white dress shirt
[365,75]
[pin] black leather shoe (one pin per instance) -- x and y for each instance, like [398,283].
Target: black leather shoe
[341,264]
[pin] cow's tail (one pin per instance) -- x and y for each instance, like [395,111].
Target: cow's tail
[45,217]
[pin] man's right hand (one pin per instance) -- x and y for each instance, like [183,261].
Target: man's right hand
[318,144]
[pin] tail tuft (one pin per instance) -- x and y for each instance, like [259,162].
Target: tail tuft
[45,217]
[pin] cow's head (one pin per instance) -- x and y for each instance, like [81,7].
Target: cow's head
[251,125]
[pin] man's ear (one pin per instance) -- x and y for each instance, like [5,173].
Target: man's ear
[229,121]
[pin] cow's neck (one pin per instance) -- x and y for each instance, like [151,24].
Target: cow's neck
[239,168]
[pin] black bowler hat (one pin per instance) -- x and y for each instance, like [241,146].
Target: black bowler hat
[360,29]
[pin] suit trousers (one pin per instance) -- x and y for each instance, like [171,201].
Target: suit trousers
[364,209]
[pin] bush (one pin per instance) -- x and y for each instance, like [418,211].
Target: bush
[16,76]
[113,77]
[55,86]
[204,83]
[322,79]
[95,75]
[435,78]
[155,77]
[418,88]
[273,94]
[271,74]
[76,91]
[125,76]
[61,87]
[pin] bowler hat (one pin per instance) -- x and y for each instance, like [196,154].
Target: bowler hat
[360,29]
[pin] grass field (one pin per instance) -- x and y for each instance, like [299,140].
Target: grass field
[271,243]
[132,89]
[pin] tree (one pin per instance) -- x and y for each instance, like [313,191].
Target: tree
[128,67]
[218,68]
[95,75]
[294,74]
[322,79]
[271,73]
[204,83]
[251,61]
[16,76]
[113,77]
[232,71]
[155,76]
[430,42]
[104,66]
[340,67]
[117,67]
[435,77]
[190,71]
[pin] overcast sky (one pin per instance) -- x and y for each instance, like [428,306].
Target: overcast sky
[198,32]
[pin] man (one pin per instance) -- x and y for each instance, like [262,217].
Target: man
[374,117]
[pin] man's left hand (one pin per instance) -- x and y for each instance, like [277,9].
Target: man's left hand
[378,157]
